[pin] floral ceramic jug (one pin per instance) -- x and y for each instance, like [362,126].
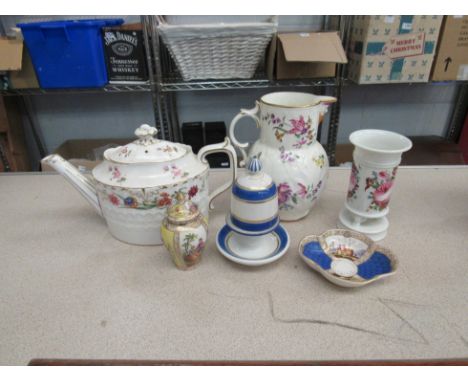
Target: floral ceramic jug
[291,154]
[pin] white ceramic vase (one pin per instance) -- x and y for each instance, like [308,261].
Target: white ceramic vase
[376,157]
[288,147]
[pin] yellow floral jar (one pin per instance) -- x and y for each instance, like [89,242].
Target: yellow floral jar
[184,232]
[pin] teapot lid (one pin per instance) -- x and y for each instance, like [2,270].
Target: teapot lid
[146,149]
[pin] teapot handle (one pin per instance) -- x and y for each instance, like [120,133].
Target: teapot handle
[252,113]
[224,147]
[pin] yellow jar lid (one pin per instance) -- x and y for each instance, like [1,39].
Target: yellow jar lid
[183,211]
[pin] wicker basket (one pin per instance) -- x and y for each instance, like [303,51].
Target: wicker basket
[217,51]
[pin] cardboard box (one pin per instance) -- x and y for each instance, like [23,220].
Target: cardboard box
[15,59]
[11,53]
[25,78]
[85,153]
[451,62]
[304,55]
[392,49]
[344,153]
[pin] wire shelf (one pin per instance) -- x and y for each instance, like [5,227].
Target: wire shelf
[110,88]
[180,85]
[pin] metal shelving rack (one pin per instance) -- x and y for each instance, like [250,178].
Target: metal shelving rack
[168,82]
[164,83]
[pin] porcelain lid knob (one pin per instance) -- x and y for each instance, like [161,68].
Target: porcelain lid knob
[255,179]
[254,165]
[145,131]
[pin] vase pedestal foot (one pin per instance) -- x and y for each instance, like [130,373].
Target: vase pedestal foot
[376,229]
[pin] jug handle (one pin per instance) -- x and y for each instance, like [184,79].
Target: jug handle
[252,113]
[224,147]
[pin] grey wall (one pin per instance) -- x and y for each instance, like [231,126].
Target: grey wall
[87,116]
[417,109]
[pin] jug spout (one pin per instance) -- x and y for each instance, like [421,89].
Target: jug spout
[75,178]
[326,100]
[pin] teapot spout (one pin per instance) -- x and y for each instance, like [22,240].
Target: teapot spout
[75,178]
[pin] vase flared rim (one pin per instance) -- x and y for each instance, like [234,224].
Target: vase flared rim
[380,141]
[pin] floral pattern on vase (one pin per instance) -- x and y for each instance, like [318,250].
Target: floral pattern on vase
[287,197]
[353,182]
[380,183]
[301,128]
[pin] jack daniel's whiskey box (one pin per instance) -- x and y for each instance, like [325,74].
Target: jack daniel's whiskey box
[125,55]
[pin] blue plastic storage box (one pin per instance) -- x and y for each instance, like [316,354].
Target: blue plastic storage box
[68,54]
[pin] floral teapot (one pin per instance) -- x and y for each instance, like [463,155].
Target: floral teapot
[135,183]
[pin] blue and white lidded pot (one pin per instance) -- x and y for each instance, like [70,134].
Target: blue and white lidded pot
[254,202]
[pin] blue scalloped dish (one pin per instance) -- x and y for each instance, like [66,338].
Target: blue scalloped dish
[347,258]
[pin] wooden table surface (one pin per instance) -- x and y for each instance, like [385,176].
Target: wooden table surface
[70,290]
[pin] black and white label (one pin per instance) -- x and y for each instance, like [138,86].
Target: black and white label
[125,55]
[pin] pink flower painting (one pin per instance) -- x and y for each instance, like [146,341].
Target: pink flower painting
[353,182]
[116,175]
[176,172]
[302,192]
[299,129]
[288,197]
[284,193]
[192,191]
[302,141]
[382,194]
[299,126]
[380,185]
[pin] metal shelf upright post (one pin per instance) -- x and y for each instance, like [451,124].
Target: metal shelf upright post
[344,26]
